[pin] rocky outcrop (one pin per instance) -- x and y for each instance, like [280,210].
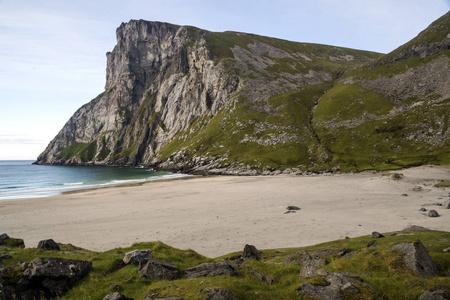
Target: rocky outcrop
[137,256]
[157,269]
[417,259]
[44,277]
[7,241]
[210,270]
[179,98]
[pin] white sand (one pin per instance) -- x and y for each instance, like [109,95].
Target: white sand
[218,215]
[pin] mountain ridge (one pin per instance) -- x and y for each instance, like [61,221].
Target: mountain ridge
[185,99]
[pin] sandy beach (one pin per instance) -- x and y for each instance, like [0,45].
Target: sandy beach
[218,215]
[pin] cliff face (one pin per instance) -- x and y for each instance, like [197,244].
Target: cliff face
[182,98]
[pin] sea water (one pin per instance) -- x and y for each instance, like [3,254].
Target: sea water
[22,179]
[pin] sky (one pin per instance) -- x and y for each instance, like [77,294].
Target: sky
[53,52]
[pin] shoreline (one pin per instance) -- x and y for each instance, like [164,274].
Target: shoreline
[217,215]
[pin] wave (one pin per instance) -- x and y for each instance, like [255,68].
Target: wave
[73,183]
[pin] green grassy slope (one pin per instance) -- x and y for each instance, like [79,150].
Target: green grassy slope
[382,267]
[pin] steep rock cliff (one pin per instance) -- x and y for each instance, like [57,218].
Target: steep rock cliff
[182,98]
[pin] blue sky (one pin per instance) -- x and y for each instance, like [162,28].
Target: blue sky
[52,52]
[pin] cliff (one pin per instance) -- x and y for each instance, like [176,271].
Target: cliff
[181,98]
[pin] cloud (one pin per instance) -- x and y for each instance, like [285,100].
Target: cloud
[20,139]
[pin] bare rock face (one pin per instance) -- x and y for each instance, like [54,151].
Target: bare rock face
[417,259]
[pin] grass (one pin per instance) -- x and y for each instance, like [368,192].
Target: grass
[382,266]
[84,151]
[443,184]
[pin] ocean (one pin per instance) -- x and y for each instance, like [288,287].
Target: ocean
[22,179]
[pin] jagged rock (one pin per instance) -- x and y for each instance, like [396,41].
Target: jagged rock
[210,270]
[309,271]
[417,259]
[316,262]
[251,253]
[396,176]
[49,244]
[219,294]
[338,283]
[417,188]
[446,204]
[46,277]
[405,195]
[423,209]
[377,235]
[116,296]
[298,258]
[329,252]
[436,294]
[415,227]
[153,268]
[7,241]
[137,256]
[351,254]
[433,214]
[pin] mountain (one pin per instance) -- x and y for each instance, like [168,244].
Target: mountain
[186,99]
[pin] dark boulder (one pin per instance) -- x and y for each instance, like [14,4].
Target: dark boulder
[415,227]
[417,259]
[251,253]
[116,296]
[219,294]
[440,293]
[210,270]
[49,244]
[329,252]
[7,241]
[44,277]
[157,269]
[433,214]
[292,207]
[298,258]
[377,235]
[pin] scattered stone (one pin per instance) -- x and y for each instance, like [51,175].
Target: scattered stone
[298,258]
[338,283]
[377,235]
[49,245]
[219,294]
[316,262]
[290,212]
[310,271]
[371,244]
[437,294]
[329,252]
[423,209]
[417,259]
[291,207]
[210,270]
[116,296]
[447,249]
[396,176]
[7,241]
[415,227]
[137,256]
[251,253]
[447,204]
[114,287]
[405,195]
[417,188]
[157,269]
[433,214]
[351,254]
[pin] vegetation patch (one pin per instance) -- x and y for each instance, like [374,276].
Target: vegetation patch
[84,151]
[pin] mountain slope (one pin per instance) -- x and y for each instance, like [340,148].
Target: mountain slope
[393,112]
[182,98]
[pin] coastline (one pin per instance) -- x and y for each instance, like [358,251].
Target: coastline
[216,215]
